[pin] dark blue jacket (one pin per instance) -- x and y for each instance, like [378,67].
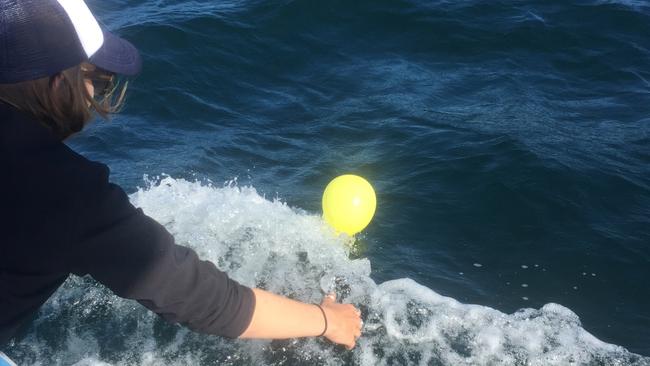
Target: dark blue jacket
[60,215]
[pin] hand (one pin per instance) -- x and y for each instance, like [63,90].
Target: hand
[343,322]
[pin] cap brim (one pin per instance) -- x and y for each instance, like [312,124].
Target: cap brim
[118,56]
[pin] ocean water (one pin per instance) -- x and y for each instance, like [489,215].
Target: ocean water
[508,143]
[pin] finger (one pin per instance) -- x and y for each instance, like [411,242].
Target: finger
[329,298]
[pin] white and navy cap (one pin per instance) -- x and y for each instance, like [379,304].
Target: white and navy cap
[40,38]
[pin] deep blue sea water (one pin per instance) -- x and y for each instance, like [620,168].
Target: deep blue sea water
[508,143]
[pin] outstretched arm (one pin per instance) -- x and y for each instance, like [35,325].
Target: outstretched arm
[278,317]
[137,258]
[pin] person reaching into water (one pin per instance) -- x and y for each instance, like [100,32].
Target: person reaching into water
[61,215]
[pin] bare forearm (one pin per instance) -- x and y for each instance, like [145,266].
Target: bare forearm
[278,317]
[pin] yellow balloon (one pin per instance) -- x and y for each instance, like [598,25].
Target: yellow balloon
[349,203]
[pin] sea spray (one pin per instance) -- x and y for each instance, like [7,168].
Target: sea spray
[268,244]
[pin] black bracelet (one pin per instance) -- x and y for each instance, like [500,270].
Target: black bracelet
[324,318]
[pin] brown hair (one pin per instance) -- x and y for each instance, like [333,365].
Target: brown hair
[62,102]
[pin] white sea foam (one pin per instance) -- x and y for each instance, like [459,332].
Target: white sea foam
[263,242]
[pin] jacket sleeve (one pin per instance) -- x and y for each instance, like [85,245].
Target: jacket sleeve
[137,258]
